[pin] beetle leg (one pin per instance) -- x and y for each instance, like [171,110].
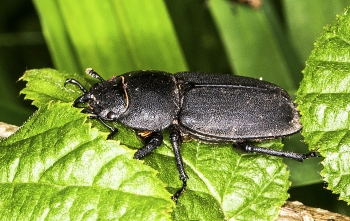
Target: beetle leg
[175,142]
[152,141]
[279,153]
[112,129]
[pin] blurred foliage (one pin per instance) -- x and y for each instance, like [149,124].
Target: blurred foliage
[22,47]
[271,42]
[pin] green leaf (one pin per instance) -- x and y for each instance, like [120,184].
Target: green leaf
[324,102]
[45,85]
[223,183]
[56,167]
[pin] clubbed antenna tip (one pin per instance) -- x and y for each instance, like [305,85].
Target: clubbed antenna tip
[88,70]
[93,74]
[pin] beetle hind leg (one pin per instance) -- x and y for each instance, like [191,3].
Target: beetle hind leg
[249,148]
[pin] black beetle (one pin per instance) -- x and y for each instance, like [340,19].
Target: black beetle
[214,108]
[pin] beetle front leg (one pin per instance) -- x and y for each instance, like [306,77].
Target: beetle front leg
[152,141]
[175,142]
[112,129]
[279,153]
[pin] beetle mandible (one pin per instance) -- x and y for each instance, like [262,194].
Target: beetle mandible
[214,108]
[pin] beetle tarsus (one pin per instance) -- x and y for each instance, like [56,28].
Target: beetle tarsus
[111,135]
[249,148]
[178,193]
[151,142]
[310,155]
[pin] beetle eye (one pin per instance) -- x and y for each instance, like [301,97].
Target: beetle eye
[111,115]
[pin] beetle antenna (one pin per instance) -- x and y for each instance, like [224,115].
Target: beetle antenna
[93,74]
[72,81]
[126,93]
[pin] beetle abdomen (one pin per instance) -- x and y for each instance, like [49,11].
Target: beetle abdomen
[236,112]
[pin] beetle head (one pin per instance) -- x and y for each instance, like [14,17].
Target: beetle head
[107,99]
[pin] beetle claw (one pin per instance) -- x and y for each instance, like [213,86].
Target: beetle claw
[311,155]
[178,193]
